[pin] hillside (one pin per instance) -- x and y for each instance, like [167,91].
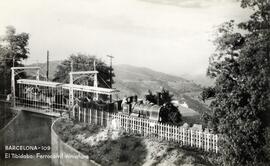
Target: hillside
[131,80]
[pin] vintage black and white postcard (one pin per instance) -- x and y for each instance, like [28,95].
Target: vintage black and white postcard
[134,82]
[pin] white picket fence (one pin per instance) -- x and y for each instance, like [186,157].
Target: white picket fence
[145,127]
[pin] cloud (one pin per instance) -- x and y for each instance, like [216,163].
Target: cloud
[134,31]
[190,3]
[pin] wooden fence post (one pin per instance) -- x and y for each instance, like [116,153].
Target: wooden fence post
[84,113]
[79,114]
[96,116]
[101,117]
[184,136]
[208,141]
[216,143]
[200,140]
[205,141]
[191,137]
[90,115]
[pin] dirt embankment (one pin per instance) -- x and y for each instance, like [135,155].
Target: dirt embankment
[108,147]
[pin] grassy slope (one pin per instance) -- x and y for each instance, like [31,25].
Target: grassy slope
[194,103]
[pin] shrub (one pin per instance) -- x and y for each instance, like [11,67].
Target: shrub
[123,157]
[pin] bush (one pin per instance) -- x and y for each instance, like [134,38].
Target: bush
[123,146]
[123,157]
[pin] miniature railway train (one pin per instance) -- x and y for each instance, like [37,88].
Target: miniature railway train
[132,107]
[135,108]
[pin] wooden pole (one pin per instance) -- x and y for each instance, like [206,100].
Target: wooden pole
[13,86]
[111,57]
[13,61]
[71,95]
[71,66]
[47,74]
[95,79]
[5,78]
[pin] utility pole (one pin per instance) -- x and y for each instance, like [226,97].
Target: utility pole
[13,82]
[47,74]
[5,77]
[13,86]
[95,79]
[110,57]
[71,93]
[71,65]
[95,76]
[13,61]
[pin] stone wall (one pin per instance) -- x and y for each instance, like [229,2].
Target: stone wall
[7,132]
[27,129]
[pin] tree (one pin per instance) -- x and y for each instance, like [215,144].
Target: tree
[241,69]
[151,97]
[160,98]
[165,96]
[83,62]
[207,93]
[13,49]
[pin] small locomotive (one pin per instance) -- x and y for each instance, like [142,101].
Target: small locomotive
[164,113]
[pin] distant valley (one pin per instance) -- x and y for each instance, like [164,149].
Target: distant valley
[132,80]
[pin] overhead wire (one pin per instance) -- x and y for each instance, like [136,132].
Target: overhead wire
[104,81]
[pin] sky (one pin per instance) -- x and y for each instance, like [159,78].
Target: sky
[171,36]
